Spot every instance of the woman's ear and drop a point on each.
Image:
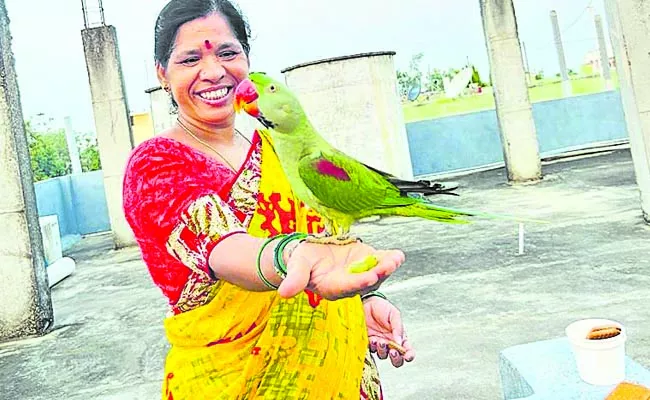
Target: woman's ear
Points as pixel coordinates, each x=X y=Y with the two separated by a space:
x=161 y=74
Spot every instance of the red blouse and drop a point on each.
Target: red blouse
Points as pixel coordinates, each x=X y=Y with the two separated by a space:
x=163 y=179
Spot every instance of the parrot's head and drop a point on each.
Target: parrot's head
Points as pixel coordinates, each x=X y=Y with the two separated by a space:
x=270 y=102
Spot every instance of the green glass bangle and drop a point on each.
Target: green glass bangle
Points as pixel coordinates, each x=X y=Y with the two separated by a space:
x=373 y=294
x=260 y=274
x=278 y=261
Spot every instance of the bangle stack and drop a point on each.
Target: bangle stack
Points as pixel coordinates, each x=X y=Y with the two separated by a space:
x=278 y=260
x=373 y=294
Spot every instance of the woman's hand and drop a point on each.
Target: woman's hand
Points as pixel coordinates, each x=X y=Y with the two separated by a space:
x=323 y=269
x=384 y=324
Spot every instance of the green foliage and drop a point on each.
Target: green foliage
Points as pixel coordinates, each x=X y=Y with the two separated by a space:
x=88 y=153
x=406 y=80
x=540 y=75
x=548 y=89
x=50 y=157
x=48 y=153
x=435 y=81
x=476 y=77
x=403 y=82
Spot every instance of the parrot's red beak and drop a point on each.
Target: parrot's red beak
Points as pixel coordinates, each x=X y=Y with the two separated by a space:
x=246 y=98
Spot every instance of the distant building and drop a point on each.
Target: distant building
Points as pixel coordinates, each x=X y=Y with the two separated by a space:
x=591 y=63
x=142 y=127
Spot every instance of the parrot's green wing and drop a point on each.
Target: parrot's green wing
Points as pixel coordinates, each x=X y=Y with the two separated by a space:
x=344 y=184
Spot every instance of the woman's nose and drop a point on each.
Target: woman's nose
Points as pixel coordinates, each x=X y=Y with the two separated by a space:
x=212 y=69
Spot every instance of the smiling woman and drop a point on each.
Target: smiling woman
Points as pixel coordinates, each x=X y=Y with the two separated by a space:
x=255 y=312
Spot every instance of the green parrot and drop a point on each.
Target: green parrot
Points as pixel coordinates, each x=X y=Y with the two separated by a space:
x=341 y=189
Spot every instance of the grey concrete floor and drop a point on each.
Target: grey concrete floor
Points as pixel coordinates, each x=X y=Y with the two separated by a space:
x=464 y=291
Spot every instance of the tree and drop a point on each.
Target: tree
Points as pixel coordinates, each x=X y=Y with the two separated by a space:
x=435 y=81
x=88 y=153
x=48 y=152
x=476 y=77
x=403 y=82
x=50 y=157
x=406 y=80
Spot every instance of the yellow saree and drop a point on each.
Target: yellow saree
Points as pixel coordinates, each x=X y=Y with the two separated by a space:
x=249 y=345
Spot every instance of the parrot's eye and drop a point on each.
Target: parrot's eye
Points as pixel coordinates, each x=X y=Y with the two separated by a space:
x=272 y=89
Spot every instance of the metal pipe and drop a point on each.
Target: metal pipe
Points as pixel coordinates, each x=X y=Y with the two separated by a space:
x=84 y=10
x=101 y=12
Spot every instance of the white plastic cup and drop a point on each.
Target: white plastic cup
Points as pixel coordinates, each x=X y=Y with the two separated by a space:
x=600 y=362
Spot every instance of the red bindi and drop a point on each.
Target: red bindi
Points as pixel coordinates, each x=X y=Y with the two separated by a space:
x=208 y=45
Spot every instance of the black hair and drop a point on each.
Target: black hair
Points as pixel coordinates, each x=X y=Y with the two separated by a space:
x=179 y=12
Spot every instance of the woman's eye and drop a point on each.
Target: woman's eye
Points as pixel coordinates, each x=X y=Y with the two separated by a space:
x=191 y=60
x=228 y=54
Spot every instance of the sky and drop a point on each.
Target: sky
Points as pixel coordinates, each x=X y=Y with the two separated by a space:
x=53 y=80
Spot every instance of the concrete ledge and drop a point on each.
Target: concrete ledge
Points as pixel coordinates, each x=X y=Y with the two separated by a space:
x=60 y=270
x=547 y=370
x=340 y=58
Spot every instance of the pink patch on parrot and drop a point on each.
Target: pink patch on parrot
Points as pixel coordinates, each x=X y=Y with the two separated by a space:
x=326 y=167
x=208 y=45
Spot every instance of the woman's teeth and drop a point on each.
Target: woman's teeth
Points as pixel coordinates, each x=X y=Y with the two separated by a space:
x=214 y=94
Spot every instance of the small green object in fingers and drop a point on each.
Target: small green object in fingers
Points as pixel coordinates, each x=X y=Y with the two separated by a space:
x=364 y=265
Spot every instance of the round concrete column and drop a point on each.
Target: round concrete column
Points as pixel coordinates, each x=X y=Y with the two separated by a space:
x=353 y=101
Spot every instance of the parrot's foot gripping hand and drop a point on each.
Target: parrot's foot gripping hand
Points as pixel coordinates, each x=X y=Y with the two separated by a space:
x=357 y=267
x=338 y=240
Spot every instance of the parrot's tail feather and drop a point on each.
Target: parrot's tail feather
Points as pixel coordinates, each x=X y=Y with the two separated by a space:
x=432 y=212
x=427 y=210
x=423 y=187
x=480 y=214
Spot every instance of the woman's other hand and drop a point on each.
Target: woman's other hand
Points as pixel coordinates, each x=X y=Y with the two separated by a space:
x=384 y=323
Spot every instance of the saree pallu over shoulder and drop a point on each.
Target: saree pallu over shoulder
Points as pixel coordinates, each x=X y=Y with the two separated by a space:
x=250 y=345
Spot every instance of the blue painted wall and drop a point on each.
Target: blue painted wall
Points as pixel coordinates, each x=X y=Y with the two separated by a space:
x=437 y=146
x=90 y=203
x=472 y=140
x=78 y=201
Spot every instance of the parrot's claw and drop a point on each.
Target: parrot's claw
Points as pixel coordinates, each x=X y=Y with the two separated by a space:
x=339 y=240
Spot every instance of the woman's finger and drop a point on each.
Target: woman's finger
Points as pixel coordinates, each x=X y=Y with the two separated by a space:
x=373 y=345
x=396 y=358
x=410 y=353
x=389 y=261
x=397 y=326
x=382 y=349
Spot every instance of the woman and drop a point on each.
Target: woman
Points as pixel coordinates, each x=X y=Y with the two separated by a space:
x=255 y=312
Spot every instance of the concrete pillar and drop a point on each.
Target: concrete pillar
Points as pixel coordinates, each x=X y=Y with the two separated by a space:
x=629 y=30
x=566 y=84
x=353 y=101
x=112 y=121
x=26 y=304
x=514 y=112
x=602 y=47
x=73 y=149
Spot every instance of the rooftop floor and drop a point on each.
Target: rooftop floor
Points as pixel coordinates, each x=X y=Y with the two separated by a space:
x=464 y=292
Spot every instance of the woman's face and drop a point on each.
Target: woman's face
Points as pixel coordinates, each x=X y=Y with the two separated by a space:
x=206 y=64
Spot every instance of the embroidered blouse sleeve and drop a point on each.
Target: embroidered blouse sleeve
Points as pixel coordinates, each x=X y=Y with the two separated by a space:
x=171 y=202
